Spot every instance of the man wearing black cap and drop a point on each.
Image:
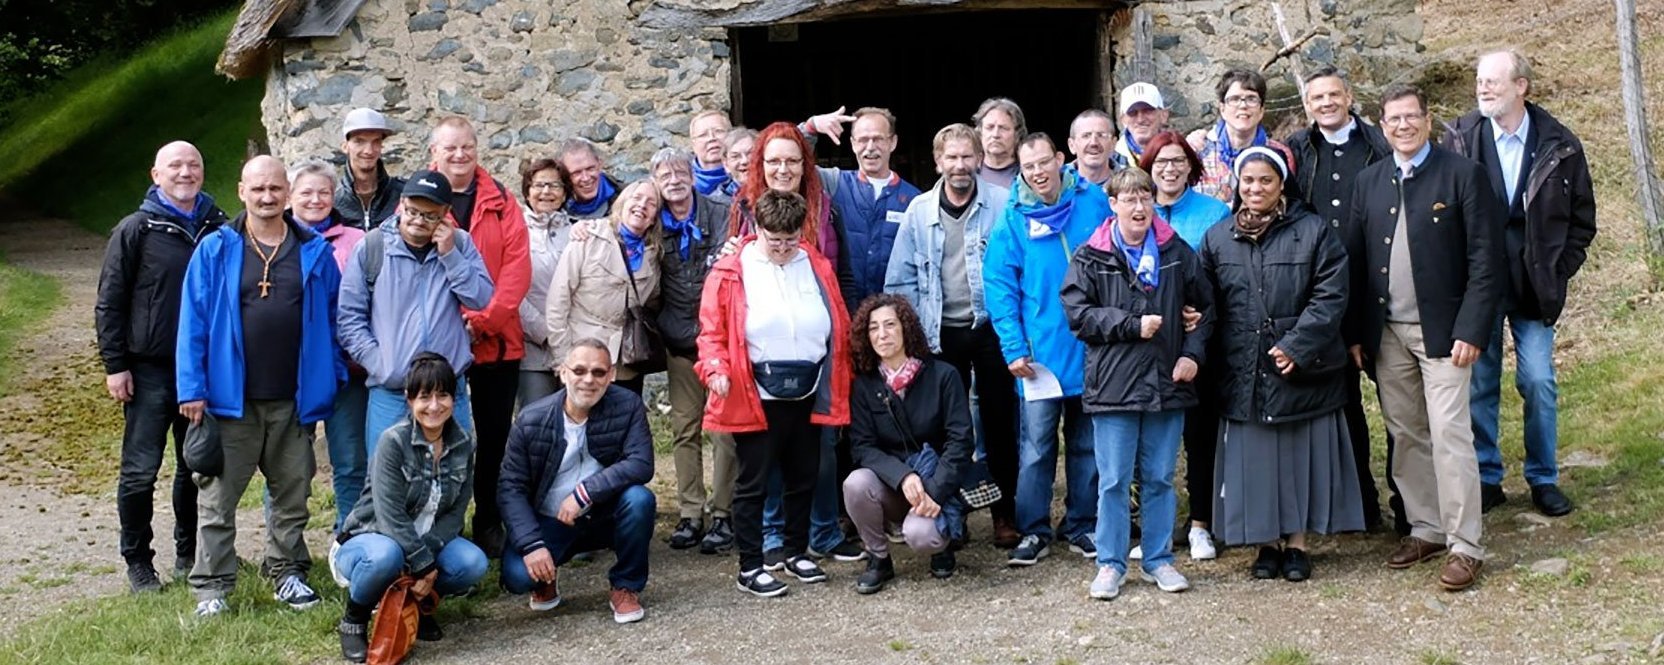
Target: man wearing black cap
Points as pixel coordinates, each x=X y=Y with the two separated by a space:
x=402 y=293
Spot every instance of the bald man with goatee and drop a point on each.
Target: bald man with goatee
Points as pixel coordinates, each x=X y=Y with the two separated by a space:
x=257 y=354
x=136 y=317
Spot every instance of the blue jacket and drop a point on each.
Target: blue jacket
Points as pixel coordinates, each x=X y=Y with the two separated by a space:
x=915 y=270
x=869 y=226
x=209 y=354
x=1192 y=215
x=1022 y=278
x=418 y=306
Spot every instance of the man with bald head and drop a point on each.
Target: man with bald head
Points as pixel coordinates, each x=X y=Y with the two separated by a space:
x=257 y=353
x=137 y=317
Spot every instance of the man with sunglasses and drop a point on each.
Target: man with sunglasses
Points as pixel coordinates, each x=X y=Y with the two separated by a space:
x=403 y=292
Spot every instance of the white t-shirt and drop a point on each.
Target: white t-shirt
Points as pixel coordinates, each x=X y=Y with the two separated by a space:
x=785 y=314
x=575 y=465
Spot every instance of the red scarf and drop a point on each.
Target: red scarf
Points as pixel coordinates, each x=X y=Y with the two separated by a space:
x=901 y=378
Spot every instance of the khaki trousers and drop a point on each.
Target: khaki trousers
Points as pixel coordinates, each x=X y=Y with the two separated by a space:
x=687 y=414
x=268 y=437
x=1424 y=402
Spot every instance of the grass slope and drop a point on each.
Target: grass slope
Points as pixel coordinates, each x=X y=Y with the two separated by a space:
x=83 y=149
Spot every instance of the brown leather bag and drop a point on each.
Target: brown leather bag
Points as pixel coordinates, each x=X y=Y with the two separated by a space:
x=394 y=631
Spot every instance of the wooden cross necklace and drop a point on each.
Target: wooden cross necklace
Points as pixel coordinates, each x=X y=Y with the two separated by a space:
x=265 y=282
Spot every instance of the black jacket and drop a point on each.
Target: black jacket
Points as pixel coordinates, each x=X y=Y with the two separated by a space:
x=1559 y=203
x=937 y=410
x=1106 y=303
x=137 y=312
x=349 y=207
x=618 y=439
x=1287 y=290
x=1307 y=140
x=682 y=281
x=1455 y=228
x=398 y=485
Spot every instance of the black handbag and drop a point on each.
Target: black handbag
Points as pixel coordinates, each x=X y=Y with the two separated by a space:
x=203 y=452
x=640 y=347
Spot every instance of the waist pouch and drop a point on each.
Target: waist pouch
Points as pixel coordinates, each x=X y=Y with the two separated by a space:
x=787 y=379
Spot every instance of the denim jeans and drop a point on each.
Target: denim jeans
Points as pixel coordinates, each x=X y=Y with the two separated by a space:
x=1149 y=442
x=371 y=561
x=348 y=456
x=1534 y=378
x=626 y=526
x=387 y=407
x=1037 y=468
x=824 y=533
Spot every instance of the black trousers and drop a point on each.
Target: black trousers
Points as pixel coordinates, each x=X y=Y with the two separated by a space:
x=1201 y=437
x=1357 y=427
x=634 y=385
x=149 y=417
x=978 y=350
x=492 y=388
x=792 y=443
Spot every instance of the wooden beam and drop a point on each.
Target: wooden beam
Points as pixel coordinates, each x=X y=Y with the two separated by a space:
x=1635 y=120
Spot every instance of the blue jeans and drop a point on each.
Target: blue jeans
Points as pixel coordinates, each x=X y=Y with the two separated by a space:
x=1149 y=442
x=626 y=526
x=1534 y=378
x=387 y=407
x=347 y=453
x=824 y=534
x=371 y=561
x=1037 y=468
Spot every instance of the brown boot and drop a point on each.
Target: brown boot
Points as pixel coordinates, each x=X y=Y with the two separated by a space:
x=1460 y=572
x=1411 y=551
x=1005 y=533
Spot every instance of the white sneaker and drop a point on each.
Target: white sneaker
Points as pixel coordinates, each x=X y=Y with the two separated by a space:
x=1137 y=552
x=335 y=572
x=1107 y=584
x=1167 y=578
x=1201 y=545
x=211 y=608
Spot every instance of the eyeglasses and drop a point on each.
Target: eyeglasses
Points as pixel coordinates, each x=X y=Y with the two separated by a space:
x=1040 y=166
x=1243 y=101
x=1135 y=200
x=793 y=162
x=1403 y=119
x=712 y=133
x=1174 y=163
x=593 y=372
x=782 y=241
x=425 y=217
x=1491 y=84
x=1094 y=135
x=539 y=186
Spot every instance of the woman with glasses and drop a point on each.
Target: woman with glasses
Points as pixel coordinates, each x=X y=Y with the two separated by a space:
x=543 y=184
x=1241 y=109
x=601 y=275
x=774 y=352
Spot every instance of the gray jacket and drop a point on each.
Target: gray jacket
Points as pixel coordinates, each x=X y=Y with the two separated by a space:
x=399 y=483
x=915 y=270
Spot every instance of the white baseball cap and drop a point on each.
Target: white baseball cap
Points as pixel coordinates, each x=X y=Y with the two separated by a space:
x=1141 y=93
x=364 y=119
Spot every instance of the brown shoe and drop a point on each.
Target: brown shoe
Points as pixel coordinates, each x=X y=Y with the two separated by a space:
x=1460 y=572
x=1411 y=551
x=1005 y=533
x=626 y=606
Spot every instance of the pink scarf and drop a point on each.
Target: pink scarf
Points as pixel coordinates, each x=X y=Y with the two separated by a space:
x=899 y=379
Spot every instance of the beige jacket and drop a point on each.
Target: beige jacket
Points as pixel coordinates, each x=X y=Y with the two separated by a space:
x=589 y=292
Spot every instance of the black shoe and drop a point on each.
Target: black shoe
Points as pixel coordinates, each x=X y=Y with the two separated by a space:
x=774 y=560
x=848 y=551
x=1297 y=565
x=182 y=565
x=355 y=640
x=1490 y=496
x=805 y=570
x=685 y=536
x=1269 y=564
x=1029 y=551
x=879 y=570
x=719 y=539
x=427 y=628
x=761 y=584
x=141 y=578
x=1549 y=500
x=942 y=564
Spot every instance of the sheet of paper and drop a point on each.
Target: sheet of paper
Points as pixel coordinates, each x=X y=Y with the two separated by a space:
x=1043 y=385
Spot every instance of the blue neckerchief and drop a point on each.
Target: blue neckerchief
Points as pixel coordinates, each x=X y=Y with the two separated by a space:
x=635 y=248
x=685 y=229
x=192 y=221
x=708 y=180
x=731 y=187
x=1048 y=220
x=1145 y=259
x=1229 y=153
x=1132 y=143
x=324 y=225
x=603 y=194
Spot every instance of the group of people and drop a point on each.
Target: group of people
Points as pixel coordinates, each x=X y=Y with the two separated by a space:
x=869 y=361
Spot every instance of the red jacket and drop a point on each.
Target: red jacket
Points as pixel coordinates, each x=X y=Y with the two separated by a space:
x=499 y=232
x=722 y=349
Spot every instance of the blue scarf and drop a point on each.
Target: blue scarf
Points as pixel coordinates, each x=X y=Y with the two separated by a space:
x=192 y=221
x=708 y=180
x=686 y=229
x=731 y=188
x=1229 y=153
x=324 y=225
x=1132 y=143
x=1048 y=220
x=635 y=248
x=603 y=194
x=1145 y=259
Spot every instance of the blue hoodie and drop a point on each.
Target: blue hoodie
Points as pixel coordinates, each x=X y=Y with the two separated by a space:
x=1022 y=277
x=209 y=358
x=1192 y=215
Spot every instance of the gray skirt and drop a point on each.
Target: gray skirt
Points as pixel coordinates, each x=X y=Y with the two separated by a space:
x=1273 y=480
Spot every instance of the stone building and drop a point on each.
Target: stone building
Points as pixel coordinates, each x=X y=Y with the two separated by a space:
x=629 y=74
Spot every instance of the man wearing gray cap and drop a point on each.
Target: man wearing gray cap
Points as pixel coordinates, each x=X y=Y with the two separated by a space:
x=367 y=194
x=1143 y=115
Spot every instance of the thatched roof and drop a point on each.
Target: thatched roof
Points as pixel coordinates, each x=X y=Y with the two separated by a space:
x=263 y=23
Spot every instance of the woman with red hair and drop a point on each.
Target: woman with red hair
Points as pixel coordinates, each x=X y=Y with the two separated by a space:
x=783 y=161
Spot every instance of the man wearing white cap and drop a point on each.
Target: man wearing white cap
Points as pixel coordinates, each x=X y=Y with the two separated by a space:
x=1143 y=115
x=366 y=194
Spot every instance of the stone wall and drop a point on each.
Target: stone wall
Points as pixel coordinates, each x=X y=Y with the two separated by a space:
x=529 y=72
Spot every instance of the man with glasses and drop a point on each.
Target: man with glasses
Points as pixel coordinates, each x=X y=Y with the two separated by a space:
x=1241 y=108
x=1143 y=115
x=1089 y=142
x=1423 y=240
x=705 y=134
x=869 y=203
x=1052 y=212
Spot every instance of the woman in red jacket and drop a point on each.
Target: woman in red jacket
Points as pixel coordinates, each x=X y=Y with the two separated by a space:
x=774 y=351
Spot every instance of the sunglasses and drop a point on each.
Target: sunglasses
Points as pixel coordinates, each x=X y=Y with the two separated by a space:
x=595 y=372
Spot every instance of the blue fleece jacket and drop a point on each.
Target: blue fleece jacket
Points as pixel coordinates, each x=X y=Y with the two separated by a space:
x=210 y=354
x=1022 y=278
x=1192 y=215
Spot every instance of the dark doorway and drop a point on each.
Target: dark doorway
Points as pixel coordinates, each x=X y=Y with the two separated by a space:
x=928 y=69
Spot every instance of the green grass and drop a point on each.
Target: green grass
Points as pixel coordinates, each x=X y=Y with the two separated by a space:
x=25 y=299
x=1284 y=655
x=1433 y=657
x=83 y=149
